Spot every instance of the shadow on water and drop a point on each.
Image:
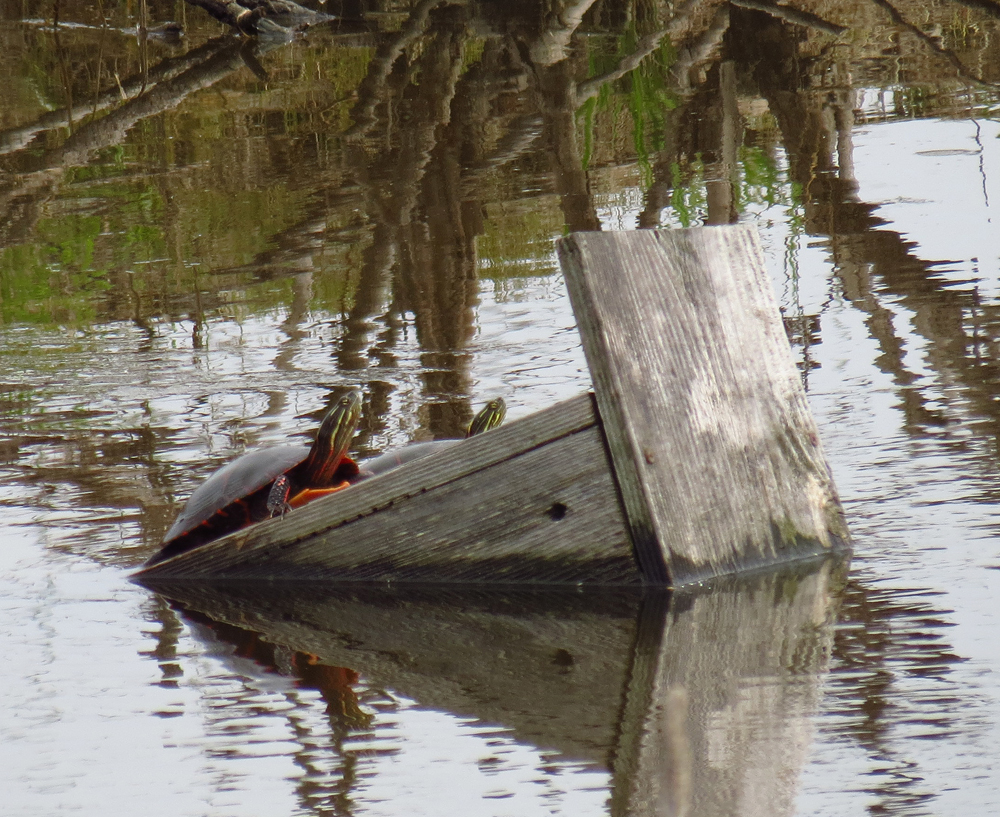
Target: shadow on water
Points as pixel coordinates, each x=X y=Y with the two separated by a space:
x=697 y=703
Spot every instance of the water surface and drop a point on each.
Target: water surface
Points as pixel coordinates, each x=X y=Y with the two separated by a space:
x=210 y=271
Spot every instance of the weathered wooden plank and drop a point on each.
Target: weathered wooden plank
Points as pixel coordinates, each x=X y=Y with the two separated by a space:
x=533 y=501
x=713 y=445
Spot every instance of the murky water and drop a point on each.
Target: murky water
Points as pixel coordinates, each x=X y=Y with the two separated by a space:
x=209 y=269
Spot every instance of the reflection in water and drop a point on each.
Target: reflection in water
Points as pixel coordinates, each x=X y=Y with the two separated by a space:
x=684 y=701
x=889 y=643
x=329 y=769
x=202 y=245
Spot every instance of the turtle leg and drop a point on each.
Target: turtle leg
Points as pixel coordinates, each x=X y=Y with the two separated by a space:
x=309 y=494
x=277 y=499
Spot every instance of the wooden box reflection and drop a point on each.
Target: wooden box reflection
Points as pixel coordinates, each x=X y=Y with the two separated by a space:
x=699 y=702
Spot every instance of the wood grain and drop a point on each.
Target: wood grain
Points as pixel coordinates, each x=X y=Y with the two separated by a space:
x=713 y=445
x=531 y=502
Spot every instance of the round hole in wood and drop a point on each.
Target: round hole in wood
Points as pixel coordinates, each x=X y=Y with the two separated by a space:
x=557 y=511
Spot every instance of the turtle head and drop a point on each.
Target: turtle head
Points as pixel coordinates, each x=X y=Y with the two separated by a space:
x=333 y=439
x=490 y=417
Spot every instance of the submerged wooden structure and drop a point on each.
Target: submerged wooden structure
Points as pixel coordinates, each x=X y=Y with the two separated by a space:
x=695 y=456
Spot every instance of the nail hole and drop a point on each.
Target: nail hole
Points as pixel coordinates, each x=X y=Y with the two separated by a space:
x=557 y=511
x=563 y=658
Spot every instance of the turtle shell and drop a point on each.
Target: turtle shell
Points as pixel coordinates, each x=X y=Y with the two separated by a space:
x=234 y=496
x=488 y=418
x=236 y=482
x=393 y=459
x=237 y=494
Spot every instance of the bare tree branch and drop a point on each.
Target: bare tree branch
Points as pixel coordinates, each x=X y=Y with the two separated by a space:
x=262 y=16
x=646 y=46
x=792 y=15
x=931 y=42
x=17 y=138
x=371 y=91
x=551 y=45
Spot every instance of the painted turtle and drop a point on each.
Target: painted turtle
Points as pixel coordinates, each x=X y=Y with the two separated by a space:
x=491 y=416
x=244 y=491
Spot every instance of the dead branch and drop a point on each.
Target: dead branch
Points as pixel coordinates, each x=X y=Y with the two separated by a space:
x=792 y=15
x=371 y=91
x=263 y=16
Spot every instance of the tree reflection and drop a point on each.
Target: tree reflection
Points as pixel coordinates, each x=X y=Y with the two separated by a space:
x=390 y=183
x=342 y=187
x=888 y=642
